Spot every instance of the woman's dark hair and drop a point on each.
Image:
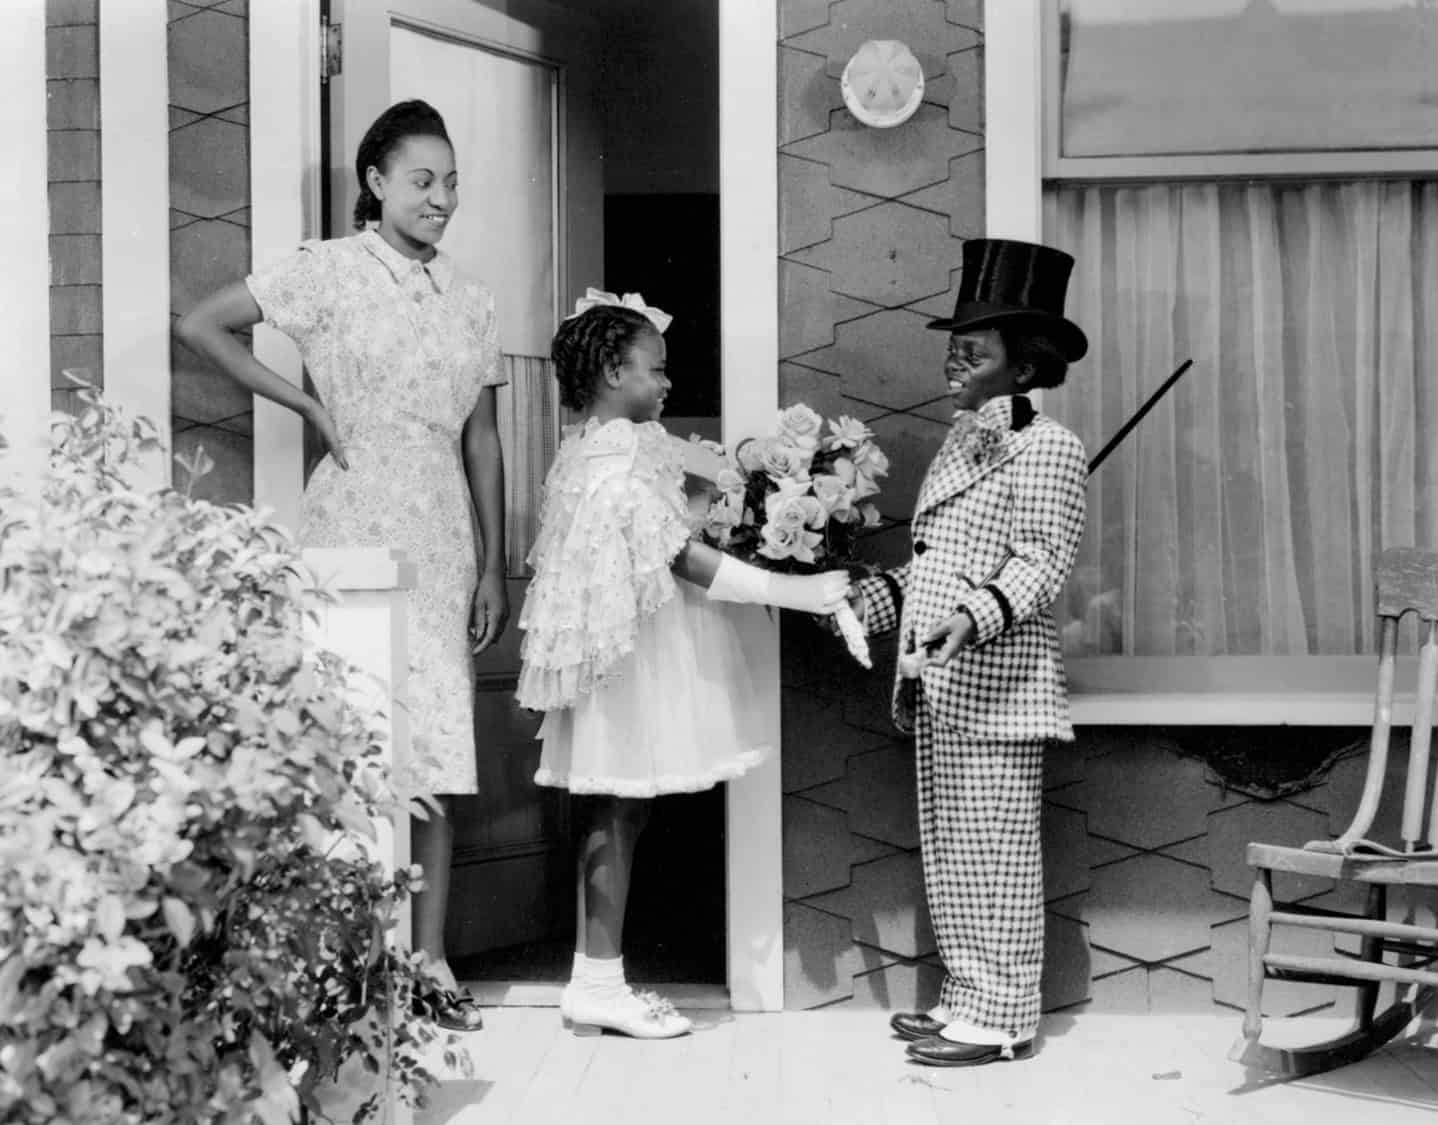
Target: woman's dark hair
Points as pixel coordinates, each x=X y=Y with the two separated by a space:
x=588 y=344
x=390 y=130
x=1027 y=345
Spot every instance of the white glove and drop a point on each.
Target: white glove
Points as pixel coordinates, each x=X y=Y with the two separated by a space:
x=847 y=622
x=736 y=581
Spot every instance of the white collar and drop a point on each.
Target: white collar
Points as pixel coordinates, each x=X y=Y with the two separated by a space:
x=440 y=268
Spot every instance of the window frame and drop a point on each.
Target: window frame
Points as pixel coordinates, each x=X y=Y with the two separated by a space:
x=1298 y=164
x=1020 y=49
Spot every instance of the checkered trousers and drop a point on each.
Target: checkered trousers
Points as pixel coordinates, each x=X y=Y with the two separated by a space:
x=980 y=807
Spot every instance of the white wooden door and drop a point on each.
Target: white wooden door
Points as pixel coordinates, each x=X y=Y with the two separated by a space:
x=516 y=85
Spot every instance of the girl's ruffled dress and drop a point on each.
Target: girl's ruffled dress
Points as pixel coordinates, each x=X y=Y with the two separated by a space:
x=645 y=683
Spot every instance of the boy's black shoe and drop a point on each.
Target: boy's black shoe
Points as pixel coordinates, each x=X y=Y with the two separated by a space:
x=937 y=1051
x=915 y=1025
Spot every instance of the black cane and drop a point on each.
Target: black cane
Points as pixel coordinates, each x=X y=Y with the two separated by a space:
x=1138 y=416
x=1123 y=432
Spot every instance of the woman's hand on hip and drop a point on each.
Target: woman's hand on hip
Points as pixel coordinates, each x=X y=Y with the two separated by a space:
x=489 y=612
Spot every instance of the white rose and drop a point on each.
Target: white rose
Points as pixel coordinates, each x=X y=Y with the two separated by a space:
x=836 y=497
x=849 y=433
x=787 y=542
x=783 y=461
x=801 y=426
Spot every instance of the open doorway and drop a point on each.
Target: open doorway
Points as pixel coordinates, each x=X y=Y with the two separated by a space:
x=511 y=918
x=288 y=182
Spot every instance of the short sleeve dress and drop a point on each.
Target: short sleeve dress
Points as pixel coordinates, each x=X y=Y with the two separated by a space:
x=644 y=681
x=399 y=352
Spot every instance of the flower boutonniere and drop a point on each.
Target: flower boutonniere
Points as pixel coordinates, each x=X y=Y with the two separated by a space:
x=981 y=443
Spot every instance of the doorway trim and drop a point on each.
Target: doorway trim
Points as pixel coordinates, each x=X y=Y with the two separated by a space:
x=286 y=207
x=749 y=398
x=25 y=230
x=285 y=174
x=1013 y=110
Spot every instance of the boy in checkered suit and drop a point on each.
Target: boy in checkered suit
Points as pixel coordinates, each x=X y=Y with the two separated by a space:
x=981 y=680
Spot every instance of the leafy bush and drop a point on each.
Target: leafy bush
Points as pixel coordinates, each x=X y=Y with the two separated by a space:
x=194 y=924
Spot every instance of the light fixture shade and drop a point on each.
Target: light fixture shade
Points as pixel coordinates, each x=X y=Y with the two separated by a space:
x=883 y=83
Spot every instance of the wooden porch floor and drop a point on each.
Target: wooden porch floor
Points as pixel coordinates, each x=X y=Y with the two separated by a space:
x=841 y=1066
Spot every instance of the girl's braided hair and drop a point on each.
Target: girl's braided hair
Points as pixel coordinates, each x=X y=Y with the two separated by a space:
x=390 y=130
x=588 y=344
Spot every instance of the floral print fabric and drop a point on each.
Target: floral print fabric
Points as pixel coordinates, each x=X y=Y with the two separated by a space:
x=399 y=352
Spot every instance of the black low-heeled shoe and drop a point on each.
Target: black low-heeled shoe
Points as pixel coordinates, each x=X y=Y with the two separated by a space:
x=938 y=1051
x=915 y=1025
x=458 y=1011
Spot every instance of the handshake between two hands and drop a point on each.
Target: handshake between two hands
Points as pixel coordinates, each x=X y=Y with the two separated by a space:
x=938 y=645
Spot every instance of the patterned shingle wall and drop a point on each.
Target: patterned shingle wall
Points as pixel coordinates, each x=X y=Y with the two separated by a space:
x=1148 y=884
x=1144 y=847
x=209 y=226
x=871 y=222
x=72 y=73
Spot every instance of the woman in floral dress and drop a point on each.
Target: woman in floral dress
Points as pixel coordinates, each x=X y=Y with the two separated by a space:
x=404 y=356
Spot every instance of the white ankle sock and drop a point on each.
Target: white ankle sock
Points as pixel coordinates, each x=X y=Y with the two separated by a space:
x=602 y=972
x=961 y=1031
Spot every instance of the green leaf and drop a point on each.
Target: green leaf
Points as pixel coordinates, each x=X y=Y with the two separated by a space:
x=110 y=918
x=349 y=814
x=246 y=859
x=188 y=878
x=312 y=832
x=180 y=919
x=12 y=970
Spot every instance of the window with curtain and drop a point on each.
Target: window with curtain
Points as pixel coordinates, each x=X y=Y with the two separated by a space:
x=1243 y=516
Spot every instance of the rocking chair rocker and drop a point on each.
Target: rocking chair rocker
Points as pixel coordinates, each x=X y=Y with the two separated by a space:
x=1407 y=580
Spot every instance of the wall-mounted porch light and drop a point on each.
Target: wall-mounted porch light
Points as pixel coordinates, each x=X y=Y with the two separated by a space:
x=882 y=84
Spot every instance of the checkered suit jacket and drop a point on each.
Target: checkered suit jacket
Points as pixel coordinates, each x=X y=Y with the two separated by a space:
x=1023 y=493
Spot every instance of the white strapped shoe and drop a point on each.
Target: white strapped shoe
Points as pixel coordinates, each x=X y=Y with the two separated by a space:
x=640 y=1015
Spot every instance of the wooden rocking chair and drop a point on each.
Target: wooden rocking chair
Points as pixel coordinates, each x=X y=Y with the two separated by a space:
x=1407 y=580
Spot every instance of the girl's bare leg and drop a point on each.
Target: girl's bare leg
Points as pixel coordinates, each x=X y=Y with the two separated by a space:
x=598 y=997
x=606 y=862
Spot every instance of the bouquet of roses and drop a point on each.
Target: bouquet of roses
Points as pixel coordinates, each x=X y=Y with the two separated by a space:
x=796 y=500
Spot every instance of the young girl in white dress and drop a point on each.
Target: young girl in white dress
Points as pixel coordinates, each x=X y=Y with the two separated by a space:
x=641 y=678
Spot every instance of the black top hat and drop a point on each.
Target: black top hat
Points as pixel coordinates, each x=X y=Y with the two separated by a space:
x=1020 y=283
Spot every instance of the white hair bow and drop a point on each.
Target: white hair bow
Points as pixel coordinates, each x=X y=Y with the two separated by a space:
x=593 y=298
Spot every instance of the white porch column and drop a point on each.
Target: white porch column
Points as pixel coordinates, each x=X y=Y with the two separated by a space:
x=284 y=210
x=366 y=626
x=24 y=232
x=1013 y=119
x=749 y=313
x=135 y=215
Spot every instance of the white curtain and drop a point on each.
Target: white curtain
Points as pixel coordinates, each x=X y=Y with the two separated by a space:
x=1244 y=514
x=528 y=417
